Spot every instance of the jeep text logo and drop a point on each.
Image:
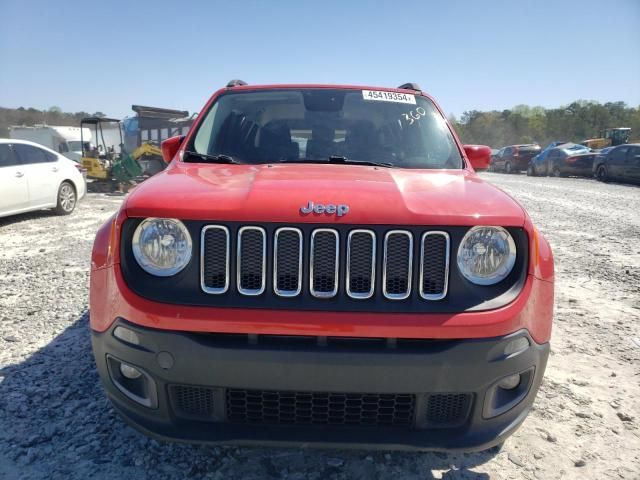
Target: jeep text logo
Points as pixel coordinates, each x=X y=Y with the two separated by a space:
x=330 y=209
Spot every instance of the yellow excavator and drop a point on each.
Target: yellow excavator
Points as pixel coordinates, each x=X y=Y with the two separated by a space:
x=609 y=137
x=109 y=167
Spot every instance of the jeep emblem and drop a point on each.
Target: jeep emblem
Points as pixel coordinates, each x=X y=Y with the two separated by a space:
x=329 y=209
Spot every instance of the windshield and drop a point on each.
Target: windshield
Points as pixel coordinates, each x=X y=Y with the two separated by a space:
x=307 y=125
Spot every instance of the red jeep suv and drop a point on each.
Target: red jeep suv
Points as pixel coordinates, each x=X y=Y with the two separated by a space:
x=321 y=265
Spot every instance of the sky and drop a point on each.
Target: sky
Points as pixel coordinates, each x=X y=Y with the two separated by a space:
x=470 y=55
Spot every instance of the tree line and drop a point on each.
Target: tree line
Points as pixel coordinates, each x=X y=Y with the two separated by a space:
x=575 y=122
x=32 y=116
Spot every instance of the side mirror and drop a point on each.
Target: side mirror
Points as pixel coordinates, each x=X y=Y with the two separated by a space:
x=479 y=156
x=170 y=147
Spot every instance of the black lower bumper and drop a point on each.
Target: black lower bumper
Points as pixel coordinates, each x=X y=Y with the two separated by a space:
x=304 y=391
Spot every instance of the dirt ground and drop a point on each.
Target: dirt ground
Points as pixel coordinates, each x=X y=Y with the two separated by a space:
x=56 y=423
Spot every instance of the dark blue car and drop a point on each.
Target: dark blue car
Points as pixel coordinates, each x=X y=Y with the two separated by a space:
x=553 y=160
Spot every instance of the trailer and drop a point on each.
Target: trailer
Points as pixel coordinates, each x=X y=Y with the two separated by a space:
x=62 y=139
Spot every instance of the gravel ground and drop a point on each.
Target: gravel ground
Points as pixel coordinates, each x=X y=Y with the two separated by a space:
x=56 y=423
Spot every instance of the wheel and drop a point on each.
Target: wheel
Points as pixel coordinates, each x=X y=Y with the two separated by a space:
x=556 y=172
x=66 y=199
x=507 y=167
x=530 y=171
x=601 y=173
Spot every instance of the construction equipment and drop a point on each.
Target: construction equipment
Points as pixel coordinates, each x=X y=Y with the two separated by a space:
x=115 y=162
x=106 y=161
x=144 y=133
x=609 y=137
x=150 y=159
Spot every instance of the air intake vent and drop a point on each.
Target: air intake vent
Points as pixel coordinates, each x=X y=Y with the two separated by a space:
x=214 y=261
x=448 y=410
x=398 y=263
x=252 y=258
x=192 y=402
x=434 y=265
x=324 y=263
x=361 y=266
x=319 y=408
x=287 y=261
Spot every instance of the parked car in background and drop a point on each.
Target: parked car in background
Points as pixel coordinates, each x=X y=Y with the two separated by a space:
x=621 y=163
x=514 y=158
x=579 y=165
x=600 y=154
x=546 y=149
x=33 y=177
x=552 y=145
x=553 y=161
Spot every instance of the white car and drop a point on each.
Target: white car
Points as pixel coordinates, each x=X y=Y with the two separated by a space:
x=33 y=177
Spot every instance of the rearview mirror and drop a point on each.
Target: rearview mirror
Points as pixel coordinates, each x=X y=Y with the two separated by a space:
x=479 y=156
x=170 y=147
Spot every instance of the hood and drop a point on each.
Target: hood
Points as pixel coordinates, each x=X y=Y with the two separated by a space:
x=276 y=193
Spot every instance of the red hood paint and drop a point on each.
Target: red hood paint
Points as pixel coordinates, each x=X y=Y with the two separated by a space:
x=275 y=193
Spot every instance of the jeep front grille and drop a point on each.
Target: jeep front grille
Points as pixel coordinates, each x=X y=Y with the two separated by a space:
x=361 y=263
x=252 y=260
x=325 y=263
x=214 y=259
x=397 y=264
x=287 y=262
x=325 y=257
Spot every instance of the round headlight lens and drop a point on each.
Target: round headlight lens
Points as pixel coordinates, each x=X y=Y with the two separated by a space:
x=162 y=246
x=486 y=255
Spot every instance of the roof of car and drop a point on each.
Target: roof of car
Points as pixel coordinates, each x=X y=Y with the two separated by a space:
x=322 y=85
x=314 y=85
x=27 y=142
x=570 y=146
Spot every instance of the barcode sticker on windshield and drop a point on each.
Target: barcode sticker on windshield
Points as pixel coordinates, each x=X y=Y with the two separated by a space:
x=382 y=96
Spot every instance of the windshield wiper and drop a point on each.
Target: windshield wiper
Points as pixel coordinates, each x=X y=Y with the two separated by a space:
x=345 y=160
x=340 y=159
x=218 y=158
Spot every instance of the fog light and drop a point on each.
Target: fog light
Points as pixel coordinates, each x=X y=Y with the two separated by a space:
x=126 y=335
x=510 y=382
x=129 y=372
x=516 y=346
x=133 y=382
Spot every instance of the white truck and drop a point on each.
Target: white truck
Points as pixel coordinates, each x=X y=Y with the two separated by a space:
x=65 y=140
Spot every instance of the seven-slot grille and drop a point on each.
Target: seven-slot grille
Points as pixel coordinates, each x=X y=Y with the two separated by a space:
x=295 y=260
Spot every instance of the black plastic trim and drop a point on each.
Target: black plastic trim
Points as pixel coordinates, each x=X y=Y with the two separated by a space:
x=424 y=368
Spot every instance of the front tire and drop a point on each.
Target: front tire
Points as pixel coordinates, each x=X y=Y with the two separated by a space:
x=507 y=168
x=556 y=172
x=67 y=199
x=601 y=173
x=530 y=171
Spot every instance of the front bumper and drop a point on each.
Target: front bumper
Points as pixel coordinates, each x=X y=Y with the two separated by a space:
x=461 y=374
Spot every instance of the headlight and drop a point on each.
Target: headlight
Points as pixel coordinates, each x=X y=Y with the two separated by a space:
x=162 y=246
x=486 y=255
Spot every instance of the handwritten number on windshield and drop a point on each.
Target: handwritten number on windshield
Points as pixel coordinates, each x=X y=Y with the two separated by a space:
x=413 y=115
